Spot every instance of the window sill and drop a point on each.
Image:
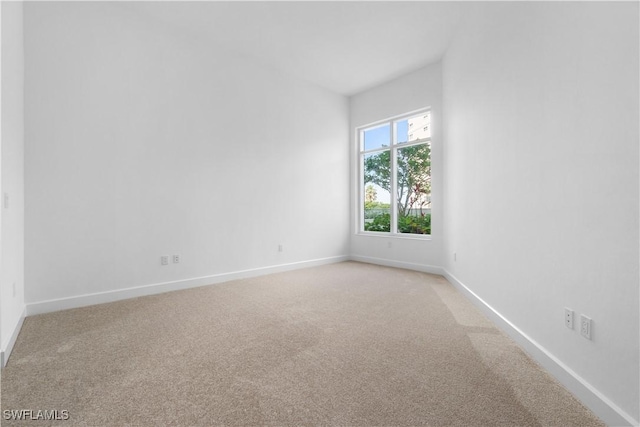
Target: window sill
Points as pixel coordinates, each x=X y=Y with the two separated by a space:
x=401 y=236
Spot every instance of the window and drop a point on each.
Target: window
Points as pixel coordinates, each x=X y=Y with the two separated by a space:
x=395 y=175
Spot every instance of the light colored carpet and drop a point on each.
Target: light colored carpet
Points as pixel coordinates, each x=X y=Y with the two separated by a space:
x=348 y=344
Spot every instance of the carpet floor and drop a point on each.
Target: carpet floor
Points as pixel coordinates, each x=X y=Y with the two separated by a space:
x=347 y=344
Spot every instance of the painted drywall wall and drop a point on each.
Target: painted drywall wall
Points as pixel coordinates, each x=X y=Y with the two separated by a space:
x=419 y=89
x=541 y=177
x=12 y=155
x=142 y=141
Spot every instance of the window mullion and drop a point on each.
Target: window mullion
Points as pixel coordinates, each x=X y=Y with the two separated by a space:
x=392 y=179
x=376 y=150
x=361 y=192
x=360 y=189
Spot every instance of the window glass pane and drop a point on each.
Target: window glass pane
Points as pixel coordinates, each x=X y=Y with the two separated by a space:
x=414 y=189
x=402 y=131
x=377 y=137
x=376 y=191
x=414 y=128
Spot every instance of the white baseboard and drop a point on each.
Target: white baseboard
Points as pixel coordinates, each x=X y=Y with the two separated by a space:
x=5 y=353
x=425 y=268
x=599 y=404
x=157 y=288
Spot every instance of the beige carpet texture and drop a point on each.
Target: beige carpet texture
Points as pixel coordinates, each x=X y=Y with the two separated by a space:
x=348 y=344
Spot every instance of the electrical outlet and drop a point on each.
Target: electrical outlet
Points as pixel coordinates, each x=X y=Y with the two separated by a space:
x=14 y=289
x=585 y=326
x=164 y=260
x=455 y=256
x=176 y=259
x=280 y=249
x=568 y=318
x=389 y=245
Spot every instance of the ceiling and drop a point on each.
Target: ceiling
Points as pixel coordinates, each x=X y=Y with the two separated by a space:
x=346 y=47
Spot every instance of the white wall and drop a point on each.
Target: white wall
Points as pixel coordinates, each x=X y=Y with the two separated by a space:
x=541 y=178
x=12 y=177
x=419 y=89
x=141 y=142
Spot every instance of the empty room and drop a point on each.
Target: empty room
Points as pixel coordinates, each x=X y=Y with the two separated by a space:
x=320 y=213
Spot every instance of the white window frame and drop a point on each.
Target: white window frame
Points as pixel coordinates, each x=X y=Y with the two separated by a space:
x=393 y=149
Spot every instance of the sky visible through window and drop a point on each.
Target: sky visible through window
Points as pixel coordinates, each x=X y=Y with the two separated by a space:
x=380 y=137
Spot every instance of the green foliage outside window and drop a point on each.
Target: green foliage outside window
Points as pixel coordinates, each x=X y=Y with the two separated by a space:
x=406 y=224
x=413 y=196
